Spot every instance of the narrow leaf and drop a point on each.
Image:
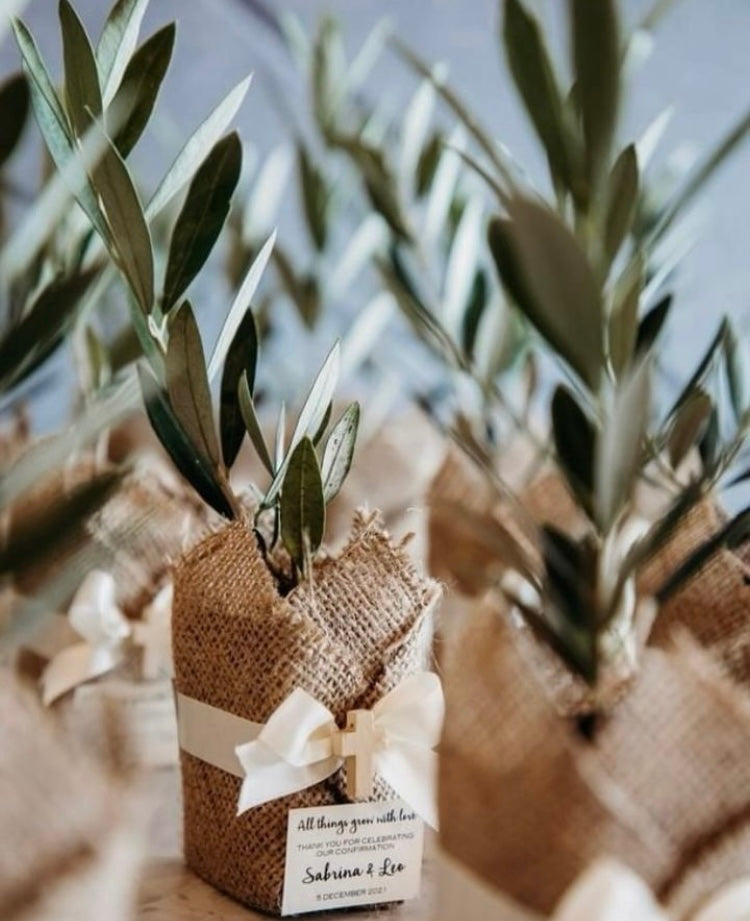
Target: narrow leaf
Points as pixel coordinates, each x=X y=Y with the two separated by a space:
x=688 y=426
x=619 y=447
x=82 y=90
x=652 y=324
x=315 y=197
x=535 y=80
x=137 y=93
x=241 y=358
x=117 y=43
x=703 y=367
x=303 y=507
x=623 y=323
x=574 y=437
x=202 y=216
x=196 y=148
x=252 y=425
x=190 y=463
x=738 y=374
x=240 y=306
x=623 y=198
x=596 y=56
x=14 y=105
x=128 y=233
x=339 y=452
x=279 y=448
x=187 y=384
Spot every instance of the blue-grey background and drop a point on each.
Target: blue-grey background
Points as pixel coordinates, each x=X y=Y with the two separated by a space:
x=700 y=65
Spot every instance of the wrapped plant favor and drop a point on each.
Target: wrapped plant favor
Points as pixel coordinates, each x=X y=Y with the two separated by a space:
x=594 y=760
x=306 y=718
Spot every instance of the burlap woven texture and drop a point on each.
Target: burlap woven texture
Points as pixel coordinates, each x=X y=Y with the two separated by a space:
x=354 y=635
x=527 y=802
x=70 y=844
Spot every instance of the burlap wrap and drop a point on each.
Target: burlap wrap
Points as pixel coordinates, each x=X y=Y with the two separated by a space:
x=348 y=639
x=71 y=840
x=527 y=802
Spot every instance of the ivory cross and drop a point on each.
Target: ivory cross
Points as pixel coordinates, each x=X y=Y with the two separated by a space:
x=356 y=745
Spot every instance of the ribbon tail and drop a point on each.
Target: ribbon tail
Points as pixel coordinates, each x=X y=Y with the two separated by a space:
x=411 y=772
x=73 y=666
x=268 y=777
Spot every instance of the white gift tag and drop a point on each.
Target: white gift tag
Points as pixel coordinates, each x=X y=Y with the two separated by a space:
x=146 y=709
x=355 y=854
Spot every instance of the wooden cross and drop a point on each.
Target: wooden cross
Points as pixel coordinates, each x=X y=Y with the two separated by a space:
x=356 y=745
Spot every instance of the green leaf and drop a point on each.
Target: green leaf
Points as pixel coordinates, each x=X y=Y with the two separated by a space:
x=575 y=440
x=703 y=367
x=117 y=43
x=203 y=139
x=708 y=446
x=178 y=444
x=278 y=448
x=187 y=383
x=302 y=289
x=339 y=452
x=535 y=80
x=128 y=233
x=547 y=273
x=596 y=59
x=652 y=324
x=41 y=329
x=318 y=436
x=252 y=424
x=242 y=358
x=622 y=201
x=14 y=107
x=303 y=509
x=312 y=414
x=688 y=425
x=202 y=216
x=82 y=90
x=139 y=88
x=619 y=446
x=738 y=374
x=315 y=196
x=240 y=306
x=623 y=323
x=53 y=122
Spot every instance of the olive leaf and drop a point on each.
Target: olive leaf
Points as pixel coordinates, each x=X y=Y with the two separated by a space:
x=193 y=466
x=303 y=508
x=652 y=324
x=202 y=216
x=136 y=95
x=315 y=196
x=548 y=275
x=623 y=322
x=252 y=424
x=187 y=384
x=596 y=59
x=82 y=91
x=312 y=414
x=575 y=439
x=688 y=425
x=535 y=80
x=339 y=452
x=619 y=446
x=242 y=357
x=117 y=43
x=704 y=365
x=278 y=448
x=622 y=200
x=203 y=139
x=127 y=231
x=26 y=344
x=708 y=446
x=738 y=373
x=14 y=106
x=240 y=306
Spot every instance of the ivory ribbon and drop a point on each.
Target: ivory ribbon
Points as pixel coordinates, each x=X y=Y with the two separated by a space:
x=105 y=633
x=606 y=891
x=294 y=749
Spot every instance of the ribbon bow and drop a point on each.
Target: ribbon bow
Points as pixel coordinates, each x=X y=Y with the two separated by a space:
x=301 y=745
x=105 y=633
x=609 y=891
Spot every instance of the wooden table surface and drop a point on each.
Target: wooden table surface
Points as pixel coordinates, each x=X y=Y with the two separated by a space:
x=170 y=892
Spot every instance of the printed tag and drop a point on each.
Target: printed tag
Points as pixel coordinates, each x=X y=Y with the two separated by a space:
x=356 y=854
x=146 y=709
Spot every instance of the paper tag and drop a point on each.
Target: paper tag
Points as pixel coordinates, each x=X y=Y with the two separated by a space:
x=357 y=854
x=146 y=709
